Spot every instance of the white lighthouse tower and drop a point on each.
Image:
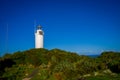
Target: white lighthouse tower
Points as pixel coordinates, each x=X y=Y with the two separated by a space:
x=39 y=37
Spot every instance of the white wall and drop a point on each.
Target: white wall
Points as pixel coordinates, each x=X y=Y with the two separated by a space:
x=38 y=40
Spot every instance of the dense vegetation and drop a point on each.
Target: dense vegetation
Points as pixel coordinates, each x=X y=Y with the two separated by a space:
x=43 y=64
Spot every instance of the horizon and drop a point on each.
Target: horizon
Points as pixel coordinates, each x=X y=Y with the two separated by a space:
x=86 y=27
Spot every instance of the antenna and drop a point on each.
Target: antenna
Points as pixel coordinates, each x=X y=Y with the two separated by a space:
x=7 y=39
x=34 y=26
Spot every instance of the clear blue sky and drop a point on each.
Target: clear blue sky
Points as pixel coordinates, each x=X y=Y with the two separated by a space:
x=82 y=26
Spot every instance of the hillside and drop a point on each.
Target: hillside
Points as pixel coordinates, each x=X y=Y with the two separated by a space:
x=56 y=64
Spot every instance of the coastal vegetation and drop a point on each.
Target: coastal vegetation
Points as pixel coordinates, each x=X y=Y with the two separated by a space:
x=56 y=64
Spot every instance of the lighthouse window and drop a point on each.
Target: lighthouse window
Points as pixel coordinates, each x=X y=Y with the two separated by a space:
x=40 y=32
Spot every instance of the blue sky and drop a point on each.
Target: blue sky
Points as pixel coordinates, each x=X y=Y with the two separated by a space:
x=82 y=26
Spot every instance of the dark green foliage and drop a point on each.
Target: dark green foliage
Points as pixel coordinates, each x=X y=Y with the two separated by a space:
x=56 y=64
x=6 y=63
x=19 y=57
x=14 y=73
x=105 y=77
x=112 y=60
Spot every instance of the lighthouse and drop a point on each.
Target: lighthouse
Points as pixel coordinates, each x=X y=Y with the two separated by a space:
x=39 y=37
